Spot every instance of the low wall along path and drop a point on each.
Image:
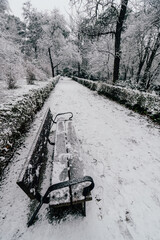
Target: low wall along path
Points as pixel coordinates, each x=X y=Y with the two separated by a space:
x=144 y=103
x=15 y=117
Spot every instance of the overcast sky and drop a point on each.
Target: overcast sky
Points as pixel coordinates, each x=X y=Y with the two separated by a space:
x=40 y=5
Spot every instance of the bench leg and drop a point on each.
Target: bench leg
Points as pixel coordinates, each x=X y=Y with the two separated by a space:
x=34 y=214
x=84 y=208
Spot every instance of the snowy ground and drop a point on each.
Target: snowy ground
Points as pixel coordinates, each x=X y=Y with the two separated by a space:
x=121 y=153
x=11 y=95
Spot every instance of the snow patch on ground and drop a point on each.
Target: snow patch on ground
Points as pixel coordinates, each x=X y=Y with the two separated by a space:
x=12 y=95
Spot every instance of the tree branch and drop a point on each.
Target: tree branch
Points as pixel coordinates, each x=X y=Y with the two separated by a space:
x=105 y=51
x=99 y=34
x=57 y=64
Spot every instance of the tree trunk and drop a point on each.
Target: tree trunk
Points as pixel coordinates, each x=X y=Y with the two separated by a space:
x=35 y=49
x=79 y=50
x=154 y=75
x=57 y=70
x=51 y=61
x=143 y=59
x=79 y=69
x=126 y=72
x=118 y=33
x=139 y=70
x=144 y=84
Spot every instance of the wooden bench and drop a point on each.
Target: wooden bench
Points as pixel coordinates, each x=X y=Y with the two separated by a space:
x=69 y=186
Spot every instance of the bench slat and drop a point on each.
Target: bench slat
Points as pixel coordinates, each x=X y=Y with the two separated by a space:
x=76 y=164
x=60 y=168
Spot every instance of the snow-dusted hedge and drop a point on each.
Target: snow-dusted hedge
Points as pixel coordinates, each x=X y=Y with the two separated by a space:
x=141 y=102
x=14 y=117
x=88 y=83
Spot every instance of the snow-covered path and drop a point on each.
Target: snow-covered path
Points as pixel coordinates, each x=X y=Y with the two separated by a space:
x=121 y=153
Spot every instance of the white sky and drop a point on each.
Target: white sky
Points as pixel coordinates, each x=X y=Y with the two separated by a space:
x=40 y=5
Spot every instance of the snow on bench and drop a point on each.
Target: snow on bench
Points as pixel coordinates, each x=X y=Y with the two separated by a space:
x=67 y=165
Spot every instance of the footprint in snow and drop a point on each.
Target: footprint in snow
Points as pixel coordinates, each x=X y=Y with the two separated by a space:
x=94 y=161
x=128 y=218
x=101 y=169
x=99 y=202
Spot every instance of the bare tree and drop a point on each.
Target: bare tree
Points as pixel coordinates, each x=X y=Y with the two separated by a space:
x=105 y=18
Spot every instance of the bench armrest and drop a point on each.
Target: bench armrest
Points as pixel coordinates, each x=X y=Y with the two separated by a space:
x=60 y=185
x=60 y=114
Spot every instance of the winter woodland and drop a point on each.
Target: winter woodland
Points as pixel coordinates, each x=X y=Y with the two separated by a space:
x=117 y=42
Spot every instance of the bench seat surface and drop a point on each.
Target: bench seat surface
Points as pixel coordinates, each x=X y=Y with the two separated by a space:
x=67 y=165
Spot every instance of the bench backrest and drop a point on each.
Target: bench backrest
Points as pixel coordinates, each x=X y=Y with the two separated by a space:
x=29 y=178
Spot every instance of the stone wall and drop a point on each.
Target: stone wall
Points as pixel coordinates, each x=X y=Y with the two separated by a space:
x=14 y=117
x=144 y=103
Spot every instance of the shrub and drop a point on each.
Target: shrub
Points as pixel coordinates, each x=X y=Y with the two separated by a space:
x=30 y=75
x=11 y=79
x=141 y=102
